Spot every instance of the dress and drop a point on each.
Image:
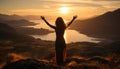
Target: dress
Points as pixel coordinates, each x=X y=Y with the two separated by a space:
x=60 y=46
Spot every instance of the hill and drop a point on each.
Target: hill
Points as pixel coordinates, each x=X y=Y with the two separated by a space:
x=106 y=25
x=79 y=55
x=15 y=20
x=10 y=17
x=19 y=23
x=9 y=33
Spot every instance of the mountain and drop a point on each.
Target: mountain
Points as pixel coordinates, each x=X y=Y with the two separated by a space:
x=32 y=17
x=10 y=17
x=106 y=25
x=18 y=23
x=37 y=17
x=33 y=31
x=15 y=20
x=9 y=33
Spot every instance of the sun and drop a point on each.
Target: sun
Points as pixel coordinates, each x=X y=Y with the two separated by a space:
x=64 y=10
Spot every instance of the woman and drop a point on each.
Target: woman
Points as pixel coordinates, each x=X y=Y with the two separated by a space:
x=60 y=45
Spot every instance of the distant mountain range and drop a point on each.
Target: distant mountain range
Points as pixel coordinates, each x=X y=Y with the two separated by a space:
x=10 y=17
x=18 y=17
x=15 y=20
x=18 y=23
x=9 y=33
x=106 y=25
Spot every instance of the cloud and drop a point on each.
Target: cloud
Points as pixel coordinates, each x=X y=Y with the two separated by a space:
x=37 y=7
x=48 y=4
x=103 y=0
x=33 y=11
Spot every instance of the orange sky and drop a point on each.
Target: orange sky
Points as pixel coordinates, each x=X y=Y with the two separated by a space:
x=68 y=8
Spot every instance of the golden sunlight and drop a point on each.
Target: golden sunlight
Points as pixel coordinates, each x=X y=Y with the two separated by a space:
x=64 y=10
x=65 y=37
x=65 y=34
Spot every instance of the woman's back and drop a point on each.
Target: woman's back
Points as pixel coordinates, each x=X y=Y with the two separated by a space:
x=60 y=27
x=60 y=45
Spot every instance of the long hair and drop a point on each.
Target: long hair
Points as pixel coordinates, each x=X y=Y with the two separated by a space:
x=60 y=23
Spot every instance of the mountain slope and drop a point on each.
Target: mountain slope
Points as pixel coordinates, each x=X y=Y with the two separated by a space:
x=106 y=25
x=9 y=33
x=10 y=17
x=15 y=20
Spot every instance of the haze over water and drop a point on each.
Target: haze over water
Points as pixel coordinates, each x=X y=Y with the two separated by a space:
x=54 y=8
x=70 y=35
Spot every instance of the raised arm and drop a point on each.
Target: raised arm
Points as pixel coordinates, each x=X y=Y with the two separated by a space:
x=74 y=17
x=43 y=18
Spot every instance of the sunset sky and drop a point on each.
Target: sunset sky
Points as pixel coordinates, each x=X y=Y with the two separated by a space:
x=82 y=8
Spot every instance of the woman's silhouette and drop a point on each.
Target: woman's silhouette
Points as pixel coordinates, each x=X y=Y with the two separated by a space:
x=60 y=45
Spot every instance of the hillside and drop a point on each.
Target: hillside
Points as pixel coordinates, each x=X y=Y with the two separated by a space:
x=29 y=57
x=15 y=20
x=106 y=25
x=19 y=23
x=9 y=33
x=19 y=51
x=10 y=17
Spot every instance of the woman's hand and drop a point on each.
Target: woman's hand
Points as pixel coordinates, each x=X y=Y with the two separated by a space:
x=74 y=17
x=42 y=17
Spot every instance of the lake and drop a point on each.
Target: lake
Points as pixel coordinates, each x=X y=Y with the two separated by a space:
x=70 y=35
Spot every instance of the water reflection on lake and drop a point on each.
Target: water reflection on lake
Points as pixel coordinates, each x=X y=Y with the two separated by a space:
x=70 y=35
